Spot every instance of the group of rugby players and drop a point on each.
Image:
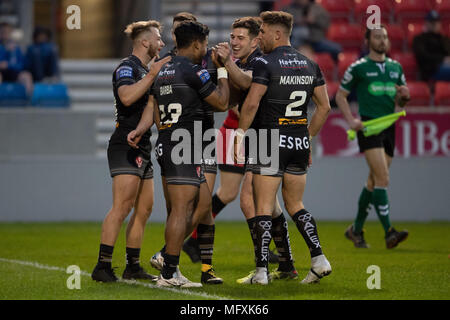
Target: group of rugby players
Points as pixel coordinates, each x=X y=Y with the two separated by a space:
x=266 y=86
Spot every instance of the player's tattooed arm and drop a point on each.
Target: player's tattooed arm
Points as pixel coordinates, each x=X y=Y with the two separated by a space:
x=144 y=125
x=129 y=94
x=320 y=98
x=220 y=97
x=341 y=101
x=243 y=79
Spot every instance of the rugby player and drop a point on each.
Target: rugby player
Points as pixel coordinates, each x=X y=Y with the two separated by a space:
x=243 y=39
x=179 y=91
x=131 y=169
x=380 y=85
x=283 y=83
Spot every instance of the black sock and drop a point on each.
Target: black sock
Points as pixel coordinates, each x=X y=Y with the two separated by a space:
x=163 y=250
x=170 y=265
x=307 y=226
x=133 y=258
x=205 y=238
x=217 y=205
x=105 y=255
x=280 y=235
x=263 y=227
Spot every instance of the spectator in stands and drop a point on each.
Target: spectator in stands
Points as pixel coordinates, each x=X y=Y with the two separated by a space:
x=432 y=50
x=12 y=60
x=311 y=23
x=41 y=59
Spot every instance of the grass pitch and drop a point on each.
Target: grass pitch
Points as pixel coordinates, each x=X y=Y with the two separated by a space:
x=419 y=268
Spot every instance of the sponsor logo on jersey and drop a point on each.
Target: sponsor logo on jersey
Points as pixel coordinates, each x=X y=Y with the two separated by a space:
x=379 y=88
x=287 y=121
x=372 y=74
x=166 y=73
x=394 y=75
x=165 y=90
x=139 y=162
x=284 y=80
x=204 y=75
x=293 y=63
x=124 y=72
x=262 y=60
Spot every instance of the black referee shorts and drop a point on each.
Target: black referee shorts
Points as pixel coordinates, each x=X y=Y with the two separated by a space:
x=385 y=139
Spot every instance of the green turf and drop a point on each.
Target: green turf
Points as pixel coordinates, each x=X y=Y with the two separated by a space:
x=417 y=269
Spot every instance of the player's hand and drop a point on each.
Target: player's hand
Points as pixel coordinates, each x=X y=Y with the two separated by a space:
x=215 y=58
x=133 y=139
x=224 y=52
x=239 y=156
x=155 y=67
x=356 y=124
x=402 y=95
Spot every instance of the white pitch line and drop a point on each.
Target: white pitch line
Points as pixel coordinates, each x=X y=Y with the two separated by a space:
x=132 y=282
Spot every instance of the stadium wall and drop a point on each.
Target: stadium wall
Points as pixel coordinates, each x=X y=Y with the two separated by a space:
x=49 y=172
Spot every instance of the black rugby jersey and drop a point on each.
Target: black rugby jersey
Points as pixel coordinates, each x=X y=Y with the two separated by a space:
x=247 y=66
x=290 y=78
x=129 y=71
x=179 y=90
x=208 y=111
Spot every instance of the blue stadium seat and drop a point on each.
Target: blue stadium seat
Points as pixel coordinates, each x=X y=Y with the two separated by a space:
x=13 y=95
x=50 y=95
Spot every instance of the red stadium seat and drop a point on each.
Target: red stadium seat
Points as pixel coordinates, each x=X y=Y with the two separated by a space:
x=345 y=60
x=442 y=94
x=332 y=88
x=349 y=36
x=412 y=30
x=408 y=62
x=443 y=7
x=386 y=7
x=326 y=64
x=420 y=94
x=339 y=10
x=411 y=10
x=396 y=36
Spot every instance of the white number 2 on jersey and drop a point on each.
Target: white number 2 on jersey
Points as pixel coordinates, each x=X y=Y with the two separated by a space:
x=174 y=110
x=296 y=113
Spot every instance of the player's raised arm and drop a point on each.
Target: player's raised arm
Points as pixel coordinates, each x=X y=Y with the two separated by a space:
x=220 y=97
x=144 y=125
x=320 y=98
x=129 y=94
x=243 y=79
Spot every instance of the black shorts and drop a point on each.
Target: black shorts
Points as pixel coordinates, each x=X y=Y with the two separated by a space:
x=123 y=159
x=385 y=139
x=177 y=173
x=292 y=153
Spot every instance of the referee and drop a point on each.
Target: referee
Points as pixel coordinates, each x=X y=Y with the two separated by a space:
x=131 y=169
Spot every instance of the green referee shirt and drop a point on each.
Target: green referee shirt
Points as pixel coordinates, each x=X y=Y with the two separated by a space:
x=375 y=85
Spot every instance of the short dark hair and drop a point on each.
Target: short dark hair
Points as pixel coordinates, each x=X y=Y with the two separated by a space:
x=41 y=30
x=184 y=16
x=278 y=17
x=369 y=31
x=133 y=30
x=252 y=24
x=189 y=31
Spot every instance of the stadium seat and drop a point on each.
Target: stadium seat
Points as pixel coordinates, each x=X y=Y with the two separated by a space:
x=386 y=7
x=442 y=94
x=339 y=10
x=443 y=7
x=50 y=95
x=411 y=10
x=326 y=64
x=396 y=36
x=345 y=60
x=420 y=94
x=349 y=36
x=412 y=30
x=408 y=62
x=13 y=95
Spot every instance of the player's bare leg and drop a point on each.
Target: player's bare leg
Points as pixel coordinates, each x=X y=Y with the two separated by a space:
x=293 y=189
x=264 y=190
x=135 y=232
x=125 y=189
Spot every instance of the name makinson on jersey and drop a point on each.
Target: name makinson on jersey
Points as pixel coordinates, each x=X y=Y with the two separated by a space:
x=290 y=80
